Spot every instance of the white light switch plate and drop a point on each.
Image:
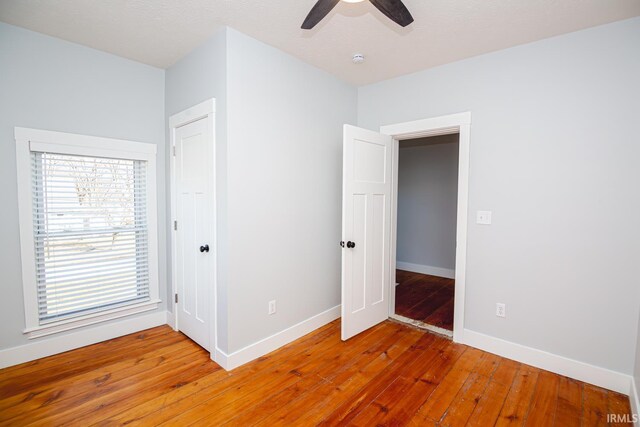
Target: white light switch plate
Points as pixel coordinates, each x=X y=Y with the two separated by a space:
x=484 y=217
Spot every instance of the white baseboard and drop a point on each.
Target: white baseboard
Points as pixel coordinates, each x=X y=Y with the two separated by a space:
x=581 y=371
x=221 y=358
x=54 y=345
x=426 y=269
x=635 y=402
x=275 y=341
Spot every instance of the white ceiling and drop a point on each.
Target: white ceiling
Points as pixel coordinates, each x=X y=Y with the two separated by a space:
x=159 y=32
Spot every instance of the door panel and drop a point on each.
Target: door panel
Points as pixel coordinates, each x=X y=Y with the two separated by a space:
x=378 y=250
x=193 y=151
x=357 y=257
x=366 y=221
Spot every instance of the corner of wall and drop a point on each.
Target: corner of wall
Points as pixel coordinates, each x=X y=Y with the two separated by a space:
x=635 y=403
x=275 y=341
x=551 y=362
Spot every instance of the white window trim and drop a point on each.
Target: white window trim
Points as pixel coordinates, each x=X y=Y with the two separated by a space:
x=29 y=140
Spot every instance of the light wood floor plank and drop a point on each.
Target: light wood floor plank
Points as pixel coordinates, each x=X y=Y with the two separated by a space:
x=545 y=398
x=312 y=408
x=222 y=407
x=569 y=408
x=391 y=374
x=436 y=406
x=516 y=404
x=396 y=395
x=490 y=403
x=619 y=405
x=358 y=401
x=288 y=407
x=92 y=382
x=595 y=406
x=86 y=359
x=162 y=408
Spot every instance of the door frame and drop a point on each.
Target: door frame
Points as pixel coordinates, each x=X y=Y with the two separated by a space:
x=442 y=125
x=204 y=110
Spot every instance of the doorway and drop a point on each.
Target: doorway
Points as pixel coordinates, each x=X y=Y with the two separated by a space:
x=459 y=123
x=427 y=190
x=369 y=225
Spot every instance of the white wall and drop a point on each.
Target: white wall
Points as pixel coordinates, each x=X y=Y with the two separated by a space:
x=279 y=168
x=285 y=122
x=427 y=201
x=551 y=155
x=554 y=155
x=201 y=75
x=51 y=84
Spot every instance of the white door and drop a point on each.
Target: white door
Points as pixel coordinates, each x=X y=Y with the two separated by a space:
x=194 y=249
x=366 y=226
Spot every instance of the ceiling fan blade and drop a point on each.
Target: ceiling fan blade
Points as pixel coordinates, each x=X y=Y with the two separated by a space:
x=318 y=11
x=394 y=10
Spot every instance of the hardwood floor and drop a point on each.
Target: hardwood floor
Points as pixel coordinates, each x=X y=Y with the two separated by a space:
x=428 y=299
x=391 y=374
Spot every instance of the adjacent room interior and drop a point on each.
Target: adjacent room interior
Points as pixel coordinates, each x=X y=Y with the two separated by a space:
x=426 y=232
x=207 y=205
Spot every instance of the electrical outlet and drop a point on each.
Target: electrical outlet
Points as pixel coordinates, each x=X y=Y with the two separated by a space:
x=483 y=217
x=501 y=310
x=272 y=307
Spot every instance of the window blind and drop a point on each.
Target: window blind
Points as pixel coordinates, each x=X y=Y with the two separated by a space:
x=90 y=234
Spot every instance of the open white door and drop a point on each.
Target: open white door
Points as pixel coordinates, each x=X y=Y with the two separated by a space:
x=366 y=226
x=194 y=243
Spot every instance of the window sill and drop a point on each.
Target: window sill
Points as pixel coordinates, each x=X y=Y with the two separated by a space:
x=66 y=325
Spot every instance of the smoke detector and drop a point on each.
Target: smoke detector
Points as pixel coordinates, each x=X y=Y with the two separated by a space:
x=358 y=58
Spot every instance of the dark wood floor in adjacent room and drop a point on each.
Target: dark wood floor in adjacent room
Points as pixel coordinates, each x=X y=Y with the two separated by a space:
x=391 y=374
x=428 y=299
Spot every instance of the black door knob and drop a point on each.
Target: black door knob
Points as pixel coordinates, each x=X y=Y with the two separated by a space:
x=351 y=244
x=342 y=243
x=204 y=248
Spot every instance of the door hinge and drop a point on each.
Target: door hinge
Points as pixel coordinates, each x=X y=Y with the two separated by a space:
x=174 y=150
x=176 y=298
x=175 y=225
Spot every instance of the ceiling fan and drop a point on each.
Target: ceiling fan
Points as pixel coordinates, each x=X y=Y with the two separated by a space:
x=393 y=9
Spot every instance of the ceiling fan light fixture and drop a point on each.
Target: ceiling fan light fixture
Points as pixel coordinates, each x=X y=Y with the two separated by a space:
x=392 y=9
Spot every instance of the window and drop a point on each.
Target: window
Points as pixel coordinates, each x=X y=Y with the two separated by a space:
x=88 y=244
x=90 y=234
